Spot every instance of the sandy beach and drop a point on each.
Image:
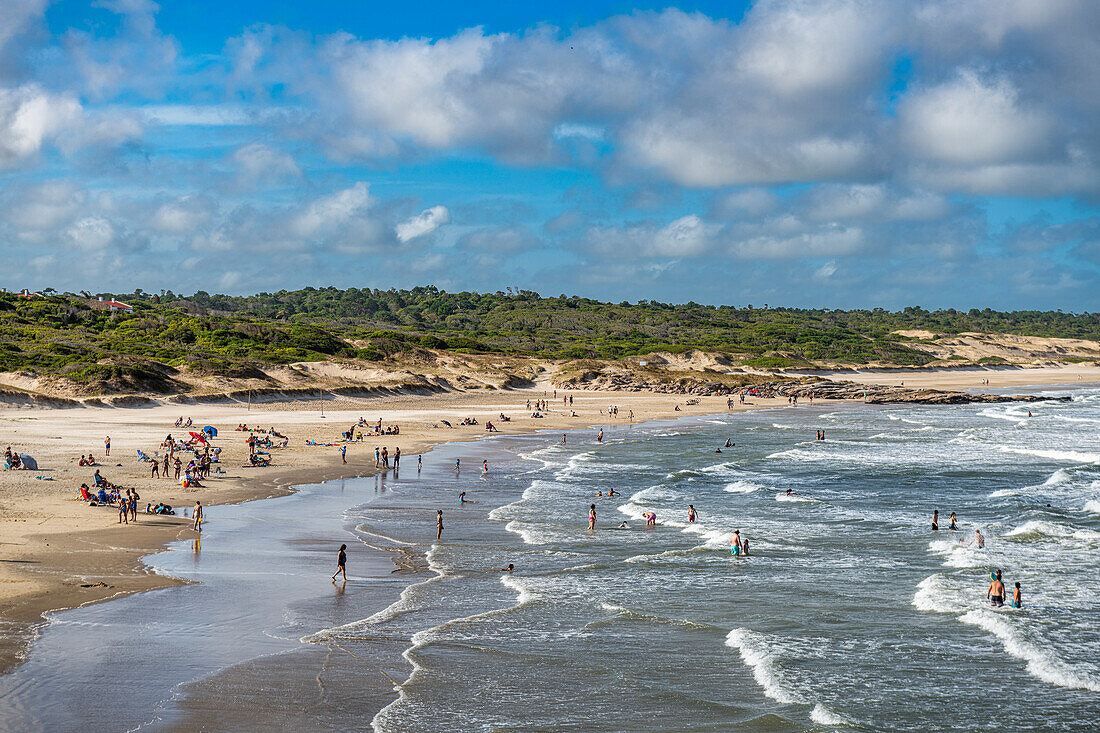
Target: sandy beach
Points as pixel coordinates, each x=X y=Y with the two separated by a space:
x=60 y=553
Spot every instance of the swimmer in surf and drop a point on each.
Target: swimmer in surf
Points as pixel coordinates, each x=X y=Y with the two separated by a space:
x=612 y=492
x=745 y=548
x=439 y=524
x=954 y=523
x=977 y=538
x=996 y=591
x=462 y=498
x=1017 y=597
x=592 y=517
x=935 y=520
x=717 y=450
x=508 y=569
x=791 y=492
x=485 y=467
x=691 y=513
x=624 y=525
x=729 y=443
x=736 y=546
x=599 y=436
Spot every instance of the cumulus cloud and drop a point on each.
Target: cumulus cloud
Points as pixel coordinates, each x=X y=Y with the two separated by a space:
x=29 y=117
x=332 y=211
x=425 y=222
x=182 y=215
x=257 y=163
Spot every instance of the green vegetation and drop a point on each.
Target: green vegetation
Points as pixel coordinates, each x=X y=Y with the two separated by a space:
x=234 y=336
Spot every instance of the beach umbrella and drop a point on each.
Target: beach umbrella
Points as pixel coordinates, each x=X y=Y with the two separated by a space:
x=198 y=436
x=211 y=431
x=28 y=462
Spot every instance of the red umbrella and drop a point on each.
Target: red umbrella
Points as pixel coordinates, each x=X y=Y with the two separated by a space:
x=198 y=437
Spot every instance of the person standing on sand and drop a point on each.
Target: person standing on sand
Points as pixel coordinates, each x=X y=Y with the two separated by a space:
x=124 y=508
x=155 y=472
x=166 y=459
x=198 y=516
x=439 y=524
x=133 y=504
x=341 y=564
x=592 y=517
x=178 y=465
x=377 y=456
x=107 y=446
x=343 y=454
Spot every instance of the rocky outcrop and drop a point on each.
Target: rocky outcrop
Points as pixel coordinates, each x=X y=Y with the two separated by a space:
x=879 y=395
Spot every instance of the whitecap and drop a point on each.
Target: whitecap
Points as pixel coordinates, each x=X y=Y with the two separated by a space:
x=1041 y=662
x=755 y=652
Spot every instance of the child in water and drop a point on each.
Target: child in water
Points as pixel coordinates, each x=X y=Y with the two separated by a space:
x=1017 y=597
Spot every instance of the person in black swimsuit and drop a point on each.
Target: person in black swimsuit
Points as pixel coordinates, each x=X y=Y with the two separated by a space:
x=341 y=564
x=935 y=520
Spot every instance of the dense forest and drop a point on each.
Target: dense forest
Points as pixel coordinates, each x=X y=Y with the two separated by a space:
x=63 y=333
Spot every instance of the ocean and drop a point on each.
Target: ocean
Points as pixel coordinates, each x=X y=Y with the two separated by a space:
x=849 y=614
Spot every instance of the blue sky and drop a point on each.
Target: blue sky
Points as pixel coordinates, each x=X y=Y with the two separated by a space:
x=827 y=153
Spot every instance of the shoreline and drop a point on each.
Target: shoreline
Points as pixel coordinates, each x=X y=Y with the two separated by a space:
x=111 y=565
x=65 y=567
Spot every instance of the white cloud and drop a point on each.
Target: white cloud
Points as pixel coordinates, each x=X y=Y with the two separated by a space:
x=332 y=211
x=971 y=120
x=91 y=233
x=182 y=215
x=258 y=163
x=425 y=222
x=30 y=116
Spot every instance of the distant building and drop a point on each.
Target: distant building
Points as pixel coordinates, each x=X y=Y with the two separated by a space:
x=28 y=294
x=110 y=305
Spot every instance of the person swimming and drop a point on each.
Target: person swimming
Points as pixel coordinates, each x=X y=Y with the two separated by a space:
x=935 y=520
x=462 y=498
x=996 y=591
x=508 y=569
x=791 y=492
x=978 y=538
x=729 y=443
x=612 y=492
x=954 y=523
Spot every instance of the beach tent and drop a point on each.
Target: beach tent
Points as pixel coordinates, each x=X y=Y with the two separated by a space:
x=28 y=462
x=197 y=437
x=211 y=431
